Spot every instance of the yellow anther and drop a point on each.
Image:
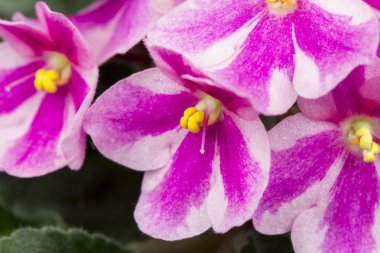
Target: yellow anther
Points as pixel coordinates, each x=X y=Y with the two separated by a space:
x=192 y=119
x=184 y=120
x=369 y=157
x=198 y=117
x=362 y=131
x=366 y=141
x=190 y=111
x=46 y=80
x=193 y=126
x=375 y=148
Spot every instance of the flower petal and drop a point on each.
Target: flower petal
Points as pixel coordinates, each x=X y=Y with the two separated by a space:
x=37 y=152
x=306 y=156
x=16 y=86
x=115 y=25
x=66 y=37
x=25 y=39
x=172 y=204
x=139 y=116
x=341 y=38
x=82 y=90
x=347 y=219
x=240 y=171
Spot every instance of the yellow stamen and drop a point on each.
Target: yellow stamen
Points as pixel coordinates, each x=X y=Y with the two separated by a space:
x=192 y=119
x=57 y=72
x=281 y=7
x=360 y=135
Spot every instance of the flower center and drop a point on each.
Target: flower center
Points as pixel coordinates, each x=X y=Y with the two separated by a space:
x=360 y=136
x=281 y=7
x=208 y=109
x=55 y=73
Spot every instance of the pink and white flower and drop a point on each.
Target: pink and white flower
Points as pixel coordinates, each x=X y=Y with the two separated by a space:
x=269 y=51
x=115 y=26
x=324 y=183
x=198 y=175
x=47 y=82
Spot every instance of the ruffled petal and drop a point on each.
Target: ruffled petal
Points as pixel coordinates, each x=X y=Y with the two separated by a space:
x=25 y=39
x=66 y=37
x=81 y=91
x=139 y=116
x=36 y=152
x=306 y=157
x=240 y=171
x=117 y=25
x=172 y=203
x=331 y=39
x=347 y=219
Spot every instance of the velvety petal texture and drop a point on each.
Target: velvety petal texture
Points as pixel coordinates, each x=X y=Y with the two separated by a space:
x=42 y=132
x=193 y=181
x=245 y=48
x=118 y=25
x=306 y=156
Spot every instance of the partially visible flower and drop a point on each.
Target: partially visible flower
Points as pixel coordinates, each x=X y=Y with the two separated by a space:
x=206 y=165
x=324 y=183
x=47 y=82
x=269 y=51
x=115 y=26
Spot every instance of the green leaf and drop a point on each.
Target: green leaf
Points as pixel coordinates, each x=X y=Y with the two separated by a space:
x=100 y=197
x=7 y=8
x=53 y=240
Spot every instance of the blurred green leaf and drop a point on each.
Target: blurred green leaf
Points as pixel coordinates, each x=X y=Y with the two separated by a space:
x=53 y=240
x=7 y=8
x=100 y=197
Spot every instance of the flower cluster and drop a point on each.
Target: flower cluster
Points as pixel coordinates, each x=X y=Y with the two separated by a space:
x=192 y=123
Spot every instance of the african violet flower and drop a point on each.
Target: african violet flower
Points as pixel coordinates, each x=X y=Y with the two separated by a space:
x=115 y=26
x=198 y=175
x=324 y=182
x=269 y=50
x=47 y=82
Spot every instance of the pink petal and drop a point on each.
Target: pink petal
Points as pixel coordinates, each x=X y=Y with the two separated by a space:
x=305 y=160
x=240 y=171
x=66 y=37
x=36 y=152
x=82 y=90
x=328 y=55
x=172 y=204
x=347 y=219
x=116 y=25
x=141 y=116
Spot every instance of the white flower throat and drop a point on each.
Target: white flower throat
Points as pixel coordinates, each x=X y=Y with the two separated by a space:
x=360 y=137
x=281 y=7
x=56 y=72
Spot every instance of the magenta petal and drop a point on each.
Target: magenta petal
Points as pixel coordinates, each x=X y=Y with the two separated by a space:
x=325 y=56
x=304 y=159
x=81 y=93
x=347 y=219
x=16 y=86
x=139 y=117
x=241 y=173
x=66 y=37
x=259 y=72
x=25 y=39
x=37 y=152
x=173 y=199
x=115 y=25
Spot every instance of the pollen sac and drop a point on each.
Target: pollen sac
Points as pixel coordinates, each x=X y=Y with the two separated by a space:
x=192 y=119
x=281 y=7
x=360 y=135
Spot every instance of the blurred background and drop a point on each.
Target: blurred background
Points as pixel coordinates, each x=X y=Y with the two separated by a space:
x=100 y=198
